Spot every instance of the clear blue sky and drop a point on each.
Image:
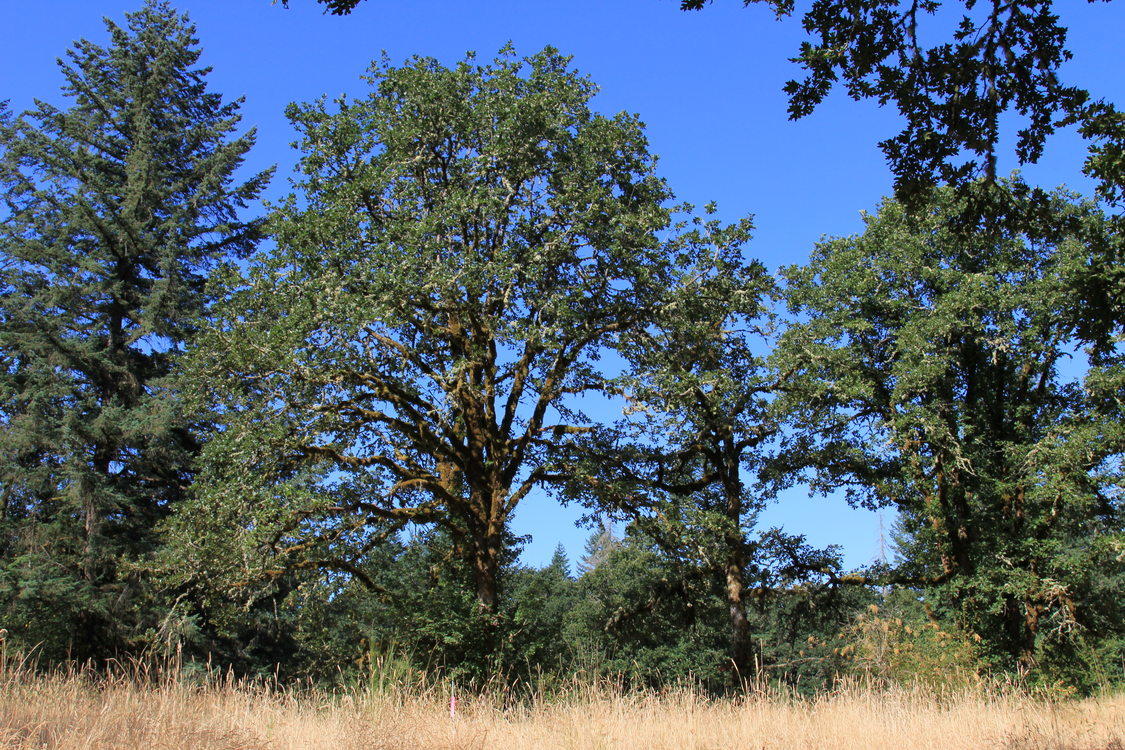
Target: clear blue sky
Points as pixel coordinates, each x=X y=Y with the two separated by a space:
x=708 y=85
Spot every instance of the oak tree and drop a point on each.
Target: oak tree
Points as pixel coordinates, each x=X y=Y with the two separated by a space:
x=466 y=242
x=952 y=69
x=699 y=423
x=930 y=369
x=696 y=389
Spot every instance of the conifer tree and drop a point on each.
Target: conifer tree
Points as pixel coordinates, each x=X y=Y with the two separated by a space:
x=117 y=206
x=599 y=546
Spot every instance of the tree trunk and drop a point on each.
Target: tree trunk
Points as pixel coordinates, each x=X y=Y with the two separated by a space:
x=741 y=648
x=485 y=572
x=487 y=549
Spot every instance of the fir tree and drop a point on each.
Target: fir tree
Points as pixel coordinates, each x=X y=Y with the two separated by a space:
x=599 y=546
x=117 y=207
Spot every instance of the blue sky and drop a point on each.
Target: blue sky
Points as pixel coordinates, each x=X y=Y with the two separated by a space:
x=707 y=84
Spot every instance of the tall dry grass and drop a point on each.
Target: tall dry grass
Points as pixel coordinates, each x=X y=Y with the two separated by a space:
x=136 y=709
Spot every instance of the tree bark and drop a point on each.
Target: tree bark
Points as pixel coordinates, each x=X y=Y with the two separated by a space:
x=741 y=648
x=486 y=570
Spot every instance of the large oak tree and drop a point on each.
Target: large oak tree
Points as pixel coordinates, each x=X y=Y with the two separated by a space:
x=466 y=242
x=697 y=420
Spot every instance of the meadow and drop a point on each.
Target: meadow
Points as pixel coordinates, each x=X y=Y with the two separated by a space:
x=139 y=709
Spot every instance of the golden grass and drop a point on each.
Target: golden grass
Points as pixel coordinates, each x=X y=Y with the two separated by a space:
x=75 y=711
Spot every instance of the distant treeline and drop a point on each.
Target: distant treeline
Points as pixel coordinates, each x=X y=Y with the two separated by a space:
x=301 y=457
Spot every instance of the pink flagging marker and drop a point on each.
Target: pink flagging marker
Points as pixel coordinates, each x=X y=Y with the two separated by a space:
x=452 y=703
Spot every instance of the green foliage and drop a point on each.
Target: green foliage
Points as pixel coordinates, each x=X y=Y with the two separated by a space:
x=955 y=71
x=699 y=418
x=409 y=602
x=928 y=373
x=652 y=618
x=795 y=630
x=539 y=603
x=598 y=547
x=116 y=209
x=643 y=618
x=418 y=609
x=467 y=243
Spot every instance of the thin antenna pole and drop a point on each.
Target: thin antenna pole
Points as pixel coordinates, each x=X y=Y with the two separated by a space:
x=882 y=541
x=882 y=552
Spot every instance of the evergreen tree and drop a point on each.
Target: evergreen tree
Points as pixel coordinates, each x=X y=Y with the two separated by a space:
x=646 y=617
x=117 y=207
x=599 y=546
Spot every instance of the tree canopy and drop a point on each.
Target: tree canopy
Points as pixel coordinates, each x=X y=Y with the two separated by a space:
x=952 y=69
x=467 y=243
x=696 y=423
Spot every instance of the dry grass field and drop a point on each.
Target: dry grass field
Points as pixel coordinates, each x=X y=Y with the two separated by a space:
x=73 y=711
